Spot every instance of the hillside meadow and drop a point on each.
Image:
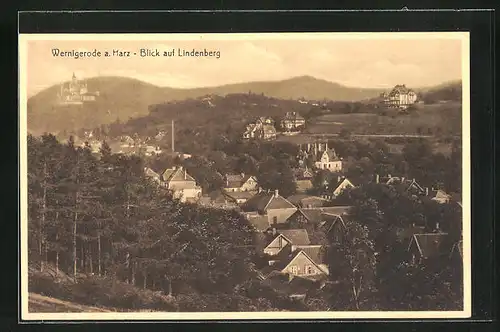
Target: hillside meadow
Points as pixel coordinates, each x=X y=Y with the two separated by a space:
x=443 y=119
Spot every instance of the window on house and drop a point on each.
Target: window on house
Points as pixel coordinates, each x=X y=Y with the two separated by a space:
x=309 y=269
x=275 y=220
x=294 y=269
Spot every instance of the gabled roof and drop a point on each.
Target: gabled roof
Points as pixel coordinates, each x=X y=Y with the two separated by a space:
x=294 y=256
x=267 y=201
x=293 y=116
x=428 y=244
x=459 y=246
x=239 y=194
x=304 y=199
x=332 y=156
x=296 y=236
x=341 y=181
x=260 y=223
x=315 y=252
x=439 y=194
x=329 y=220
x=400 y=89
x=314 y=215
x=269 y=129
x=236 y=180
x=176 y=174
x=150 y=173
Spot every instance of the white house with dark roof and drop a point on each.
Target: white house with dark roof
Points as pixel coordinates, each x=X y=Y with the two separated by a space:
x=240 y=182
x=182 y=185
x=292 y=253
x=277 y=208
x=329 y=160
x=400 y=97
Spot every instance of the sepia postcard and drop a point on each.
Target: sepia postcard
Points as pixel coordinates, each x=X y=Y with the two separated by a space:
x=244 y=176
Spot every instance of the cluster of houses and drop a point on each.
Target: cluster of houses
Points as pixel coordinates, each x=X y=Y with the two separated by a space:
x=293 y=233
x=264 y=127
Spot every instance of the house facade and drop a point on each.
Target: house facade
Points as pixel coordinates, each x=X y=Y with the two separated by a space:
x=182 y=185
x=277 y=208
x=400 y=97
x=293 y=121
x=240 y=182
x=329 y=160
x=342 y=184
x=263 y=129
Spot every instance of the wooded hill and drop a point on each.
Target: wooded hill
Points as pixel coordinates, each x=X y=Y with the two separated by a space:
x=123 y=98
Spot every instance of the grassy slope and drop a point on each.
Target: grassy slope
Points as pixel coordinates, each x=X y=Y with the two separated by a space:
x=40 y=303
x=446 y=116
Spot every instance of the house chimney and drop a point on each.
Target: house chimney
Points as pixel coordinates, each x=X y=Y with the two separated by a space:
x=437 y=227
x=174 y=168
x=339 y=177
x=276 y=193
x=389 y=176
x=242 y=174
x=377 y=178
x=185 y=175
x=326 y=146
x=274 y=231
x=426 y=191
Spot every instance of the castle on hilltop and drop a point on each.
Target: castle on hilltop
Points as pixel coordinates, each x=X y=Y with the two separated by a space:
x=76 y=92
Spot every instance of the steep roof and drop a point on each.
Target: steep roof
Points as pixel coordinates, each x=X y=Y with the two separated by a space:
x=176 y=174
x=400 y=89
x=236 y=180
x=429 y=244
x=315 y=252
x=296 y=236
x=269 y=129
x=150 y=173
x=240 y=194
x=293 y=116
x=260 y=223
x=329 y=220
x=332 y=156
x=315 y=214
x=304 y=199
x=267 y=201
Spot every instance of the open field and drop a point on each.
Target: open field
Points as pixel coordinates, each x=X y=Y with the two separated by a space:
x=426 y=120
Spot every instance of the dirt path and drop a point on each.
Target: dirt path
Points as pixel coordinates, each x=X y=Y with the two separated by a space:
x=40 y=303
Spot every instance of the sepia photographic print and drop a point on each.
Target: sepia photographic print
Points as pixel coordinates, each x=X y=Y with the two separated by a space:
x=244 y=176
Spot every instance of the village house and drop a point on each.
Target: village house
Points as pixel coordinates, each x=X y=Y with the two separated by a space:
x=262 y=129
x=293 y=121
x=311 y=215
x=182 y=185
x=303 y=179
x=152 y=175
x=340 y=185
x=439 y=195
x=218 y=200
x=303 y=200
x=238 y=197
x=403 y=184
x=400 y=97
x=328 y=160
x=428 y=245
x=277 y=208
x=290 y=252
x=240 y=182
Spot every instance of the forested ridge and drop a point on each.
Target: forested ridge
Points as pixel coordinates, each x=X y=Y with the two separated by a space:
x=102 y=217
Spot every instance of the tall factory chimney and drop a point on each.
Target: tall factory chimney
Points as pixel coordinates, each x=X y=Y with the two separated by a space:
x=173 y=137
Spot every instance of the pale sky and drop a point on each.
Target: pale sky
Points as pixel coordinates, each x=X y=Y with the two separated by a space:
x=369 y=63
